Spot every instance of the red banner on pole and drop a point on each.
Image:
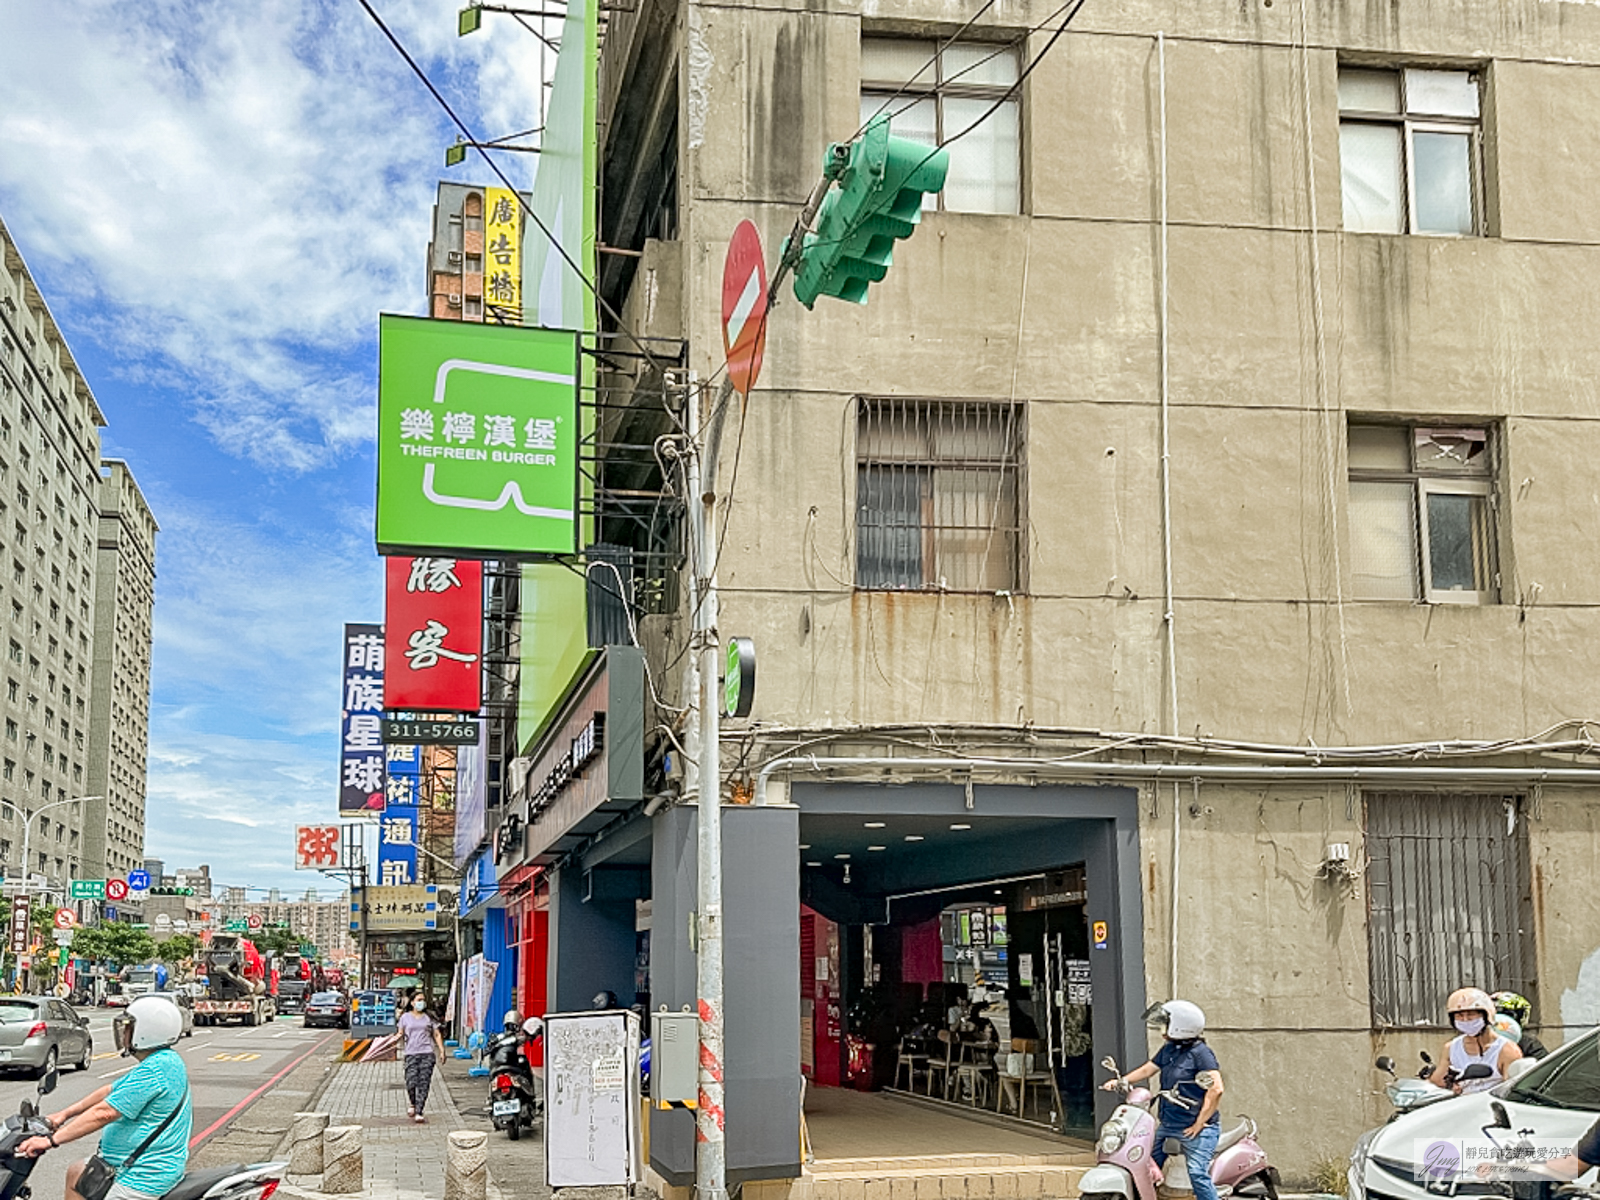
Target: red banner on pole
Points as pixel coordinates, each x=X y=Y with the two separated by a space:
x=433 y=635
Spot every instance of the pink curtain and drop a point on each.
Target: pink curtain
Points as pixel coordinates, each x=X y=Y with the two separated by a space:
x=922 y=953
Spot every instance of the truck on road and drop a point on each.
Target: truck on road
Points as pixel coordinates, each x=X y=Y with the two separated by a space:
x=236 y=984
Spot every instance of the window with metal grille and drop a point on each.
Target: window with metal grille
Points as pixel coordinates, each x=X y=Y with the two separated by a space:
x=936 y=495
x=1422 y=514
x=1448 y=904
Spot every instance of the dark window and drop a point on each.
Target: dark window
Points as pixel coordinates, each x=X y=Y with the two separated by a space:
x=1448 y=901
x=936 y=495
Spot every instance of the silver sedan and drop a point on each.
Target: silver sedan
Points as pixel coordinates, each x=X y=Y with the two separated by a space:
x=41 y=1033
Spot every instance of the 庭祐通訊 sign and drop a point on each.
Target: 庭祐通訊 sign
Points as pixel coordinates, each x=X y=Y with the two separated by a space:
x=477 y=438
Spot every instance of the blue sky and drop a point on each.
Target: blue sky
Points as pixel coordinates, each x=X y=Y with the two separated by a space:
x=216 y=198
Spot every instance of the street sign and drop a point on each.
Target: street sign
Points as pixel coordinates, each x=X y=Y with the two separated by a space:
x=233 y=927
x=163 y=921
x=254 y=921
x=111 y=913
x=88 y=889
x=744 y=307
x=181 y=926
x=138 y=881
x=316 y=847
x=739 y=678
x=21 y=910
x=116 y=889
x=429 y=733
x=63 y=937
x=65 y=918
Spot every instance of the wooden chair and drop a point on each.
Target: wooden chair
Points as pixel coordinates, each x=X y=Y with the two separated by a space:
x=1019 y=1079
x=973 y=1073
x=912 y=1061
x=945 y=1066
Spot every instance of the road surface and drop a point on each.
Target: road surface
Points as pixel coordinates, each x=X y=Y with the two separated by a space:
x=229 y=1068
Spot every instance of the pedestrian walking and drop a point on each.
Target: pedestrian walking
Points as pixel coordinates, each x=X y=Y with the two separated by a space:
x=422 y=1047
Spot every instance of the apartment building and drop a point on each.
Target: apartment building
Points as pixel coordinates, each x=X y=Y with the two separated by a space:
x=55 y=598
x=1182 y=557
x=120 y=717
x=323 y=923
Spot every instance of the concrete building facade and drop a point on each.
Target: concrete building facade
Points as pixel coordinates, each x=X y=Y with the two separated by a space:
x=1200 y=501
x=55 y=586
x=119 y=726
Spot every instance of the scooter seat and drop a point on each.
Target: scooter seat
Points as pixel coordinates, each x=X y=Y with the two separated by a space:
x=198 y=1183
x=1245 y=1128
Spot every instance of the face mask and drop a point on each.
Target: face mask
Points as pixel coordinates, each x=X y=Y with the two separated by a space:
x=1471 y=1026
x=419 y=1005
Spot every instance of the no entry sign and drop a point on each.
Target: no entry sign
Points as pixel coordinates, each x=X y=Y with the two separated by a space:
x=744 y=307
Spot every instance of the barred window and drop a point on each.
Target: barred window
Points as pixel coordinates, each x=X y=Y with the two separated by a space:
x=1448 y=903
x=936 y=495
x=1422 y=514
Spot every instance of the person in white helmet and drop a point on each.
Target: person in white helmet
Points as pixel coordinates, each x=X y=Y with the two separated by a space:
x=148 y=1107
x=1472 y=1012
x=1189 y=1069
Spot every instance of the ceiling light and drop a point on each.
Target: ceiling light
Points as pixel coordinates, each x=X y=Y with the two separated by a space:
x=877 y=847
x=813 y=864
x=913 y=837
x=874 y=824
x=841 y=857
x=805 y=845
x=958 y=825
x=999 y=892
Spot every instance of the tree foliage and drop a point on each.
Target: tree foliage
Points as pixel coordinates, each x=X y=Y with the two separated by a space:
x=114 y=943
x=277 y=941
x=179 y=946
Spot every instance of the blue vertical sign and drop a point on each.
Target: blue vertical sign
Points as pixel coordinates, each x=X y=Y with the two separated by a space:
x=361 y=774
x=397 y=831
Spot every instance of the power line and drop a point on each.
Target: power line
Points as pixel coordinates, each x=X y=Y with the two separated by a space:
x=483 y=151
x=937 y=54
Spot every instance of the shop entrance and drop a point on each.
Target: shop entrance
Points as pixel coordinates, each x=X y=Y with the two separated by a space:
x=972 y=949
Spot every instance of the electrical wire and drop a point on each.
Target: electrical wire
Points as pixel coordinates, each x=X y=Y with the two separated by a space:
x=483 y=151
x=933 y=62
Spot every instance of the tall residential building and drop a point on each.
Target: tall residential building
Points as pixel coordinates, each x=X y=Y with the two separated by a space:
x=51 y=494
x=119 y=724
x=323 y=923
x=471 y=270
x=1176 y=580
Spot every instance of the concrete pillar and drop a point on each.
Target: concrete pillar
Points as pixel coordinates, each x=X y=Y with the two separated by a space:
x=305 y=1143
x=342 y=1170
x=466 y=1172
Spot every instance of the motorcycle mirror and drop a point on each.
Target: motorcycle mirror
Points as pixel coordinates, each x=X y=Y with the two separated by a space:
x=1427 y=1058
x=1385 y=1063
x=1502 y=1120
x=48 y=1083
x=1477 y=1071
x=26 y=1110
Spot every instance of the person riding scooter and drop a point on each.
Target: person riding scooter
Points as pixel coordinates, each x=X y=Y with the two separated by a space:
x=1520 y=1009
x=1188 y=1069
x=1472 y=1013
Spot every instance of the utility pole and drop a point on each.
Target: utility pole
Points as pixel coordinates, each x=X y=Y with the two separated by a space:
x=703 y=776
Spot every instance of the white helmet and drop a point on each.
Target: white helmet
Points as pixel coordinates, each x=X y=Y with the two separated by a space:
x=1181 y=1019
x=150 y=1023
x=511 y=1021
x=533 y=1027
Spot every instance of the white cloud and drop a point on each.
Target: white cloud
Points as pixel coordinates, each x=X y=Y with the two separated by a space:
x=234 y=190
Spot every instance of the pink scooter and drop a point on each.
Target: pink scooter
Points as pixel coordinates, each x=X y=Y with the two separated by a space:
x=1124 y=1168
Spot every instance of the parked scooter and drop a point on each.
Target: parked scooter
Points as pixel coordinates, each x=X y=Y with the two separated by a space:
x=515 y=1101
x=1124 y=1168
x=239 y=1181
x=1408 y=1095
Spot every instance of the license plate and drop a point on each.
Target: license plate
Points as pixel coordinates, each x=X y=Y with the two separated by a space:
x=505 y=1108
x=5 y=1056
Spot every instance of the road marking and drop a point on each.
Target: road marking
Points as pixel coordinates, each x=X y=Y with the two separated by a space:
x=239 y=1107
x=234 y=1057
x=107 y=1054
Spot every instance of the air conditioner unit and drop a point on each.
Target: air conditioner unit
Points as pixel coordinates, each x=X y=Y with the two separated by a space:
x=455 y=299
x=454 y=256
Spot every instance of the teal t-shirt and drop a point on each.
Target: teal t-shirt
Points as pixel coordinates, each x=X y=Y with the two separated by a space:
x=144 y=1097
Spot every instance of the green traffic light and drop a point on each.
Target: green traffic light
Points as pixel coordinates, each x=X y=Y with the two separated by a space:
x=878 y=202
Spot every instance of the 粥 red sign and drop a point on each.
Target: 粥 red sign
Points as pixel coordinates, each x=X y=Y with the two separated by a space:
x=433 y=635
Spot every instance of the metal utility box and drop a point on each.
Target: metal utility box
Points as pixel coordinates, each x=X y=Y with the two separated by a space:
x=674 y=1058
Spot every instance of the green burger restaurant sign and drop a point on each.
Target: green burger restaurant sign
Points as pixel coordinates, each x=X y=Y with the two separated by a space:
x=477 y=438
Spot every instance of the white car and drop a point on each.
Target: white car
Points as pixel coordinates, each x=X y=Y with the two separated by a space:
x=1558 y=1099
